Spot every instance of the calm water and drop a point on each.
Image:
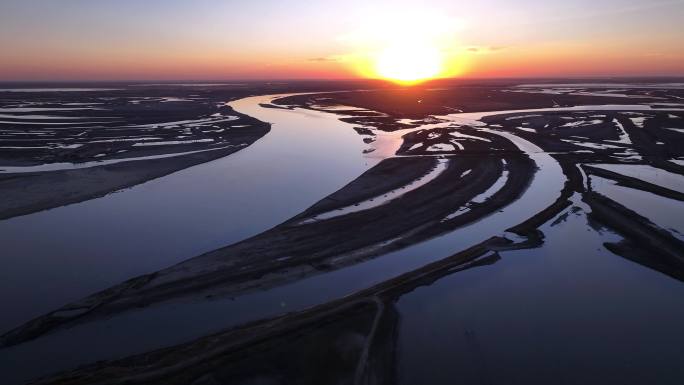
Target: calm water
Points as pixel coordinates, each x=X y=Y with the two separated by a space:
x=180 y=321
x=568 y=309
x=569 y=312
x=53 y=257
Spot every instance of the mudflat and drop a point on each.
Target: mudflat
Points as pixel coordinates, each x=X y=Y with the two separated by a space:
x=469 y=181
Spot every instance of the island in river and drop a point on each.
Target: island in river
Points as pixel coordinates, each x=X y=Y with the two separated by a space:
x=486 y=231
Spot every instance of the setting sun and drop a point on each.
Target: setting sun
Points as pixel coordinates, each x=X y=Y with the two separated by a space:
x=409 y=64
x=406 y=46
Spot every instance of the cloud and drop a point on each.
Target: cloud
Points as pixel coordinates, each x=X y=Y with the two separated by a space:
x=485 y=49
x=323 y=59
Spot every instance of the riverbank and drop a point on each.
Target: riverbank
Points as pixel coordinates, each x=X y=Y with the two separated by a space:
x=505 y=182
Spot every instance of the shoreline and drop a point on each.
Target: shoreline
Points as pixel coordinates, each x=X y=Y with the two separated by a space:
x=498 y=158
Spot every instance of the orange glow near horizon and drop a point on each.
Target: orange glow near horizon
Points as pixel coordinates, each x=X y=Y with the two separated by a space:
x=407 y=47
x=405 y=43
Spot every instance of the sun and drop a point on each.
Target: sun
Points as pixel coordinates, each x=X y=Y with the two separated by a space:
x=409 y=63
x=404 y=45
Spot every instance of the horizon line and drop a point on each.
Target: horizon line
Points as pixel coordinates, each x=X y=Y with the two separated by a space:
x=268 y=80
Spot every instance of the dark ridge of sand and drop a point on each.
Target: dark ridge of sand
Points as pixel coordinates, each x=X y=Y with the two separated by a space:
x=636 y=228
x=646 y=141
x=105 y=124
x=184 y=145
x=224 y=353
x=390 y=174
x=311 y=248
x=655 y=144
x=203 y=358
x=109 y=124
x=30 y=193
x=487 y=145
x=421 y=103
x=147 y=112
x=240 y=351
x=635 y=252
x=360 y=335
x=80 y=128
x=215 y=356
x=635 y=183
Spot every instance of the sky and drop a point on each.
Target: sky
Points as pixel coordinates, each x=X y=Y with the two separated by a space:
x=297 y=39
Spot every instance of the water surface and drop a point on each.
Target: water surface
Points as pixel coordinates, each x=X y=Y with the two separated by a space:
x=60 y=255
x=570 y=312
